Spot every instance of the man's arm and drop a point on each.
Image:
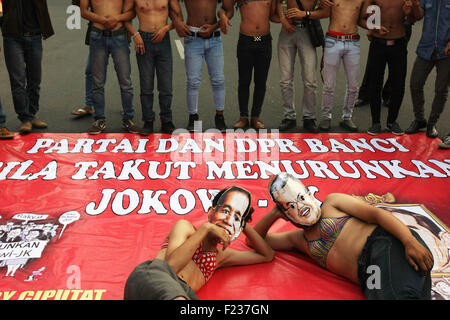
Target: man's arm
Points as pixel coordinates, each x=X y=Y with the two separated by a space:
x=284 y=241
x=112 y=22
x=262 y=253
x=184 y=241
x=129 y=7
x=281 y=17
x=416 y=11
x=225 y=14
x=90 y=15
x=176 y=15
x=320 y=13
x=416 y=254
x=139 y=46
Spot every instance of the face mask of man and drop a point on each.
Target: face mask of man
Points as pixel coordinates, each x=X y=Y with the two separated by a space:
x=295 y=201
x=230 y=211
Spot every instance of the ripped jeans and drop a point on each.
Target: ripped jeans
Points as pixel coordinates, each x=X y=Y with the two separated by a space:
x=398 y=280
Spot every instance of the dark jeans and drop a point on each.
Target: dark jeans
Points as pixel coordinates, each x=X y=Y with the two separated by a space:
x=419 y=75
x=363 y=93
x=157 y=58
x=395 y=56
x=2 y=116
x=88 y=84
x=100 y=48
x=23 y=58
x=398 y=279
x=253 y=56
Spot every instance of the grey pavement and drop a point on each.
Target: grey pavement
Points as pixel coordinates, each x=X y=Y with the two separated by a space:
x=62 y=85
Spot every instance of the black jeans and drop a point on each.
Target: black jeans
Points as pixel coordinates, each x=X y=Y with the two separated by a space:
x=395 y=56
x=363 y=93
x=157 y=59
x=419 y=75
x=253 y=55
x=23 y=58
x=398 y=279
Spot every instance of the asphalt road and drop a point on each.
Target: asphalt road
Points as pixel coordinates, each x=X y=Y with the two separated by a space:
x=62 y=85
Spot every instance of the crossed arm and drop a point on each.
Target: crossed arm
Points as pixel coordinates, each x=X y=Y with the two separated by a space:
x=109 y=23
x=184 y=240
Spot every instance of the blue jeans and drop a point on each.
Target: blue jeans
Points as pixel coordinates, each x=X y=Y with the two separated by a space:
x=334 y=51
x=157 y=58
x=100 y=47
x=2 y=116
x=197 y=49
x=88 y=84
x=23 y=58
x=398 y=279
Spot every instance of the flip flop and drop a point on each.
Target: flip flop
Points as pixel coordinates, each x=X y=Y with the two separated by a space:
x=83 y=111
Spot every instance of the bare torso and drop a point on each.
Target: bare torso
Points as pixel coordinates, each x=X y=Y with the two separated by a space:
x=392 y=17
x=343 y=256
x=344 y=16
x=107 y=9
x=307 y=5
x=200 y=12
x=191 y=273
x=255 y=18
x=152 y=14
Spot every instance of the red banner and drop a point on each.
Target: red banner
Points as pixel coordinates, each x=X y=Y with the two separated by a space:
x=79 y=213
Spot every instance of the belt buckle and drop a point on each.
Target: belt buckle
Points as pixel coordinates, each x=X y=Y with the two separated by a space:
x=257 y=38
x=107 y=33
x=390 y=42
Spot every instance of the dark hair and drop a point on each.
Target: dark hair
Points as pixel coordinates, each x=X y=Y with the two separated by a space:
x=218 y=201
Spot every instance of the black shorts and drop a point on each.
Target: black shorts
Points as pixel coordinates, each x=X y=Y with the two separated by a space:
x=156 y=280
x=384 y=255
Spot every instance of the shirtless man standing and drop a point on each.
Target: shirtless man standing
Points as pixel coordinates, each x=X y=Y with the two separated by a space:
x=153 y=54
x=254 y=53
x=388 y=46
x=293 y=39
x=202 y=41
x=341 y=42
x=109 y=36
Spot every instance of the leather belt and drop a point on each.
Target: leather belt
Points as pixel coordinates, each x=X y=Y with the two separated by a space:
x=346 y=37
x=213 y=35
x=110 y=33
x=265 y=37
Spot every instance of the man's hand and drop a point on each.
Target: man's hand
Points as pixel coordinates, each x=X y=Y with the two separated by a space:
x=220 y=234
x=111 y=23
x=447 y=49
x=224 y=22
x=181 y=28
x=287 y=26
x=139 y=44
x=407 y=7
x=160 y=34
x=418 y=256
x=295 y=13
x=382 y=31
x=326 y=4
x=206 y=30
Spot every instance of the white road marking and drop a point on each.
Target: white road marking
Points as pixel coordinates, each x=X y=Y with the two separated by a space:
x=180 y=48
